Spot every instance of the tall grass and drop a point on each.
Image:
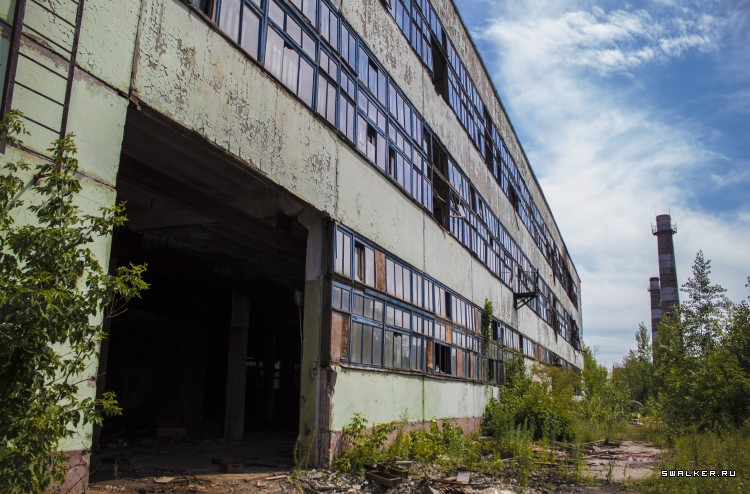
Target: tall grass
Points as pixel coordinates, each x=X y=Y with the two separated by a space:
x=704 y=451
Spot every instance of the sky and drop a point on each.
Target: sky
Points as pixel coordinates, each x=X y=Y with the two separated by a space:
x=627 y=110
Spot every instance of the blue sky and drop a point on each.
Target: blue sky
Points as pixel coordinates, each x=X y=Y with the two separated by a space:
x=627 y=110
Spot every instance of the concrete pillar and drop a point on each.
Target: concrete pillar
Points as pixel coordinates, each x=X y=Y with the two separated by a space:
x=314 y=422
x=234 y=415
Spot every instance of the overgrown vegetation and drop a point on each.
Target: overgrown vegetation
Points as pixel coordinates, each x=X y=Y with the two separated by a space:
x=53 y=292
x=689 y=391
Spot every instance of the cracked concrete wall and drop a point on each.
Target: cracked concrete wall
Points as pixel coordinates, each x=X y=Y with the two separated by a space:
x=193 y=75
x=385 y=397
x=165 y=55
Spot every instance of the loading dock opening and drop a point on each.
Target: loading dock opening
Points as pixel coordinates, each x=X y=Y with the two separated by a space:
x=211 y=355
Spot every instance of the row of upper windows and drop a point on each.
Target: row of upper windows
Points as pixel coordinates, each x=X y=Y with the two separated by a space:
x=373 y=114
x=454 y=83
x=354 y=258
x=384 y=333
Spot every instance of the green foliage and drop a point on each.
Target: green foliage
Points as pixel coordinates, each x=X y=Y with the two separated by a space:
x=363 y=448
x=486 y=324
x=636 y=377
x=702 y=371
x=486 y=334
x=53 y=292
x=427 y=445
x=604 y=407
x=542 y=408
x=704 y=451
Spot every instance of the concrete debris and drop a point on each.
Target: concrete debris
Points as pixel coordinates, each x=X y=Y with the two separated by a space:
x=463 y=477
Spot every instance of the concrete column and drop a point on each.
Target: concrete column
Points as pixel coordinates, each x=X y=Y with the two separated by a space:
x=234 y=415
x=314 y=423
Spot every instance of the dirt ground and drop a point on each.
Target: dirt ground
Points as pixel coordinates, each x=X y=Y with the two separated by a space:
x=176 y=469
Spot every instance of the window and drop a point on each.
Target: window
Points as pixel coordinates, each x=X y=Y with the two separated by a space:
x=366 y=344
x=250 y=31
x=367 y=307
x=329 y=25
x=341 y=298
x=286 y=64
x=343 y=257
x=308 y=8
x=364 y=263
x=238 y=19
x=417 y=289
x=428 y=299
x=417 y=353
x=326 y=103
x=440 y=331
x=372 y=76
x=398 y=280
x=397 y=348
x=229 y=18
x=348 y=49
x=442 y=298
x=284 y=60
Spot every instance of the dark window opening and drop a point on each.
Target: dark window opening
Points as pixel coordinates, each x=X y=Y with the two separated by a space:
x=204 y=6
x=440 y=68
x=443 y=360
x=513 y=198
x=392 y=163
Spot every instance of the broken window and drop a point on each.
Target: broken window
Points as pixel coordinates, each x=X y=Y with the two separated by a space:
x=445 y=359
x=284 y=59
x=397 y=347
x=203 y=5
x=364 y=264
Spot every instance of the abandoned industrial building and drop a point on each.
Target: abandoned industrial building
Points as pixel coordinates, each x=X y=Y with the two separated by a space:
x=326 y=193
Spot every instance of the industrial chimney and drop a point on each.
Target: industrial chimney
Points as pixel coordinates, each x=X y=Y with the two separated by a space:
x=669 y=294
x=655 y=289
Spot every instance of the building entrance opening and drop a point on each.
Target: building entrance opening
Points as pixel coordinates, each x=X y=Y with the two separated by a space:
x=206 y=365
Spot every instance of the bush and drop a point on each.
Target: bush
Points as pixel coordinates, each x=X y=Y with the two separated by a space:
x=541 y=408
x=362 y=448
x=53 y=292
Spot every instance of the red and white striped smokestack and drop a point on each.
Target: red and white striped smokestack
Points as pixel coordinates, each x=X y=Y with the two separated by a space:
x=669 y=294
x=655 y=289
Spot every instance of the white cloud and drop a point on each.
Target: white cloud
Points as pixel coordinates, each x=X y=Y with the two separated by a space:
x=608 y=164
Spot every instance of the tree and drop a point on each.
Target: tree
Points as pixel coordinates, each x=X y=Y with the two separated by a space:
x=603 y=402
x=53 y=293
x=703 y=370
x=636 y=376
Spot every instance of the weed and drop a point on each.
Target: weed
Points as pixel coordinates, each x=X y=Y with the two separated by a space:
x=363 y=447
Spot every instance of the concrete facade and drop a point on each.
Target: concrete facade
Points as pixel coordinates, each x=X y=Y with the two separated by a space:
x=184 y=109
